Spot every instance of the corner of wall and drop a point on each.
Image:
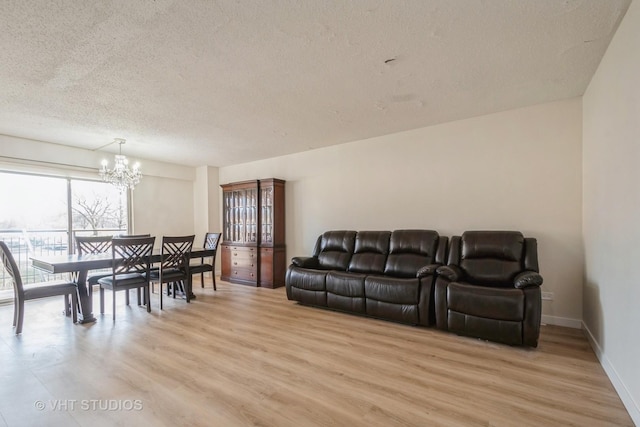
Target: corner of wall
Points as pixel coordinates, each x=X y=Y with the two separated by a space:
x=625 y=395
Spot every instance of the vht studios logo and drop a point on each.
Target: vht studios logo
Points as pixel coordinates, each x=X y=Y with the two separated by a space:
x=89 y=405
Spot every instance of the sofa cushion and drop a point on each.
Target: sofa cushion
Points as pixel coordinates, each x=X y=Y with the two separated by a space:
x=304 y=278
x=492 y=258
x=393 y=298
x=490 y=303
x=371 y=250
x=345 y=291
x=345 y=284
x=334 y=249
x=391 y=289
x=410 y=250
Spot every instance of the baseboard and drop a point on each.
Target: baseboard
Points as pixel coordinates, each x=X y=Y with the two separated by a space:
x=627 y=400
x=561 y=321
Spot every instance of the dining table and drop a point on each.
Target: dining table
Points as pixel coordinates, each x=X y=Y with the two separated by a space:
x=80 y=265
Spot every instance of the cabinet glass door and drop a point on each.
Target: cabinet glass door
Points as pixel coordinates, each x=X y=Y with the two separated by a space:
x=266 y=196
x=251 y=219
x=227 y=210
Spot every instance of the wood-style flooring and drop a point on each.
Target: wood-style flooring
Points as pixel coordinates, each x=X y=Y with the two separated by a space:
x=248 y=356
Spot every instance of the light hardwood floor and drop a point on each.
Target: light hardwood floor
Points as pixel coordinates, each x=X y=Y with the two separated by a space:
x=247 y=356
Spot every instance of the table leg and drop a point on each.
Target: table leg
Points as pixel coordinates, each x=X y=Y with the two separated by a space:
x=85 y=299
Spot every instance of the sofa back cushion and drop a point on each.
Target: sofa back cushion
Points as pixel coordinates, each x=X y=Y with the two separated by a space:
x=334 y=249
x=371 y=250
x=410 y=250
x=492 y=257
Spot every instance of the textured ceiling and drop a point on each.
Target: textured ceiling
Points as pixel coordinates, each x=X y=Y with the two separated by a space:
x=204 y=82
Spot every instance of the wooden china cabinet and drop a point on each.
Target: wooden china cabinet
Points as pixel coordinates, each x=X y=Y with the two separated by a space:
x=253 y=245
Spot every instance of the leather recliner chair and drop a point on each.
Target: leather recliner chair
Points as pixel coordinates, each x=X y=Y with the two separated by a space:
x=490 y=288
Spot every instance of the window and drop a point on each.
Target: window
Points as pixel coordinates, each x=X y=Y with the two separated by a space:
x=43 y=214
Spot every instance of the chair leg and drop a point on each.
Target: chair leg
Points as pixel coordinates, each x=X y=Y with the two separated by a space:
x=67 y=309
x=20 y=317
x=213 y=276
x=202 y=280
x=74 y=306
x=147 y=298
x=126 y=297
x=101 y=300
x=114 y=302
x=15 y=311
x=160 y=287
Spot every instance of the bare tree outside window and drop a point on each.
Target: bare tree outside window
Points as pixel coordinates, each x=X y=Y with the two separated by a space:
x=97 y=207
x=98 y=213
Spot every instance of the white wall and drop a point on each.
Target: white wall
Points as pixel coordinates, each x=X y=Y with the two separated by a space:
x=163 y=206
x=207 y=204
x=520 y=169
x=611 y=210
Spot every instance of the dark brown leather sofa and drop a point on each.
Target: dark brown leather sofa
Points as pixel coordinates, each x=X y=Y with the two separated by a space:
x=388 y=275
x=490 y=288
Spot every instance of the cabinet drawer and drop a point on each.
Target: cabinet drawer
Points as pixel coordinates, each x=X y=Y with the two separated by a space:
x=244 y=273
x=243 y=254
x=242 y=262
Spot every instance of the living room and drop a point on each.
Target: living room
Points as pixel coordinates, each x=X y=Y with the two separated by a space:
x=561 y=171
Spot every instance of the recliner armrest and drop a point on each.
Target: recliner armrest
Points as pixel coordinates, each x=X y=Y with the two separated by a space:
x=527 y=279
x=453 y=273
x=427 y=270
x=305 y=262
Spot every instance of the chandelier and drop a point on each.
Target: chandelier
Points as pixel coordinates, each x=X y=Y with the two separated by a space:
x=120 y=175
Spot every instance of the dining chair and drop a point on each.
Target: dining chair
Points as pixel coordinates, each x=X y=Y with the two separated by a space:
x=132 y=236
x=130 y=269
x=87 y=245
x=211 y=241
x=33 y=291
x=174 y=265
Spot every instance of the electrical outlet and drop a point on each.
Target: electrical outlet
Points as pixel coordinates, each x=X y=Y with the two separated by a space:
x=547 y=296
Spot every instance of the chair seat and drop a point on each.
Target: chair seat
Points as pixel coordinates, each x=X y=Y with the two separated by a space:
x=48 y=289
x=123 y=280
x=93 y=279
x=168 y=275
x=486 y=302
x=200 y=268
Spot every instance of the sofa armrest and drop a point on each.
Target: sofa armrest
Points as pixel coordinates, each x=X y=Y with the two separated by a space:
x=427 y=270
x=452 y=273
x=527 y=279
x=305 y=262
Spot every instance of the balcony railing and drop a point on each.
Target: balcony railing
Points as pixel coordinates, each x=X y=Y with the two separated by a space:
x=26 y=243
